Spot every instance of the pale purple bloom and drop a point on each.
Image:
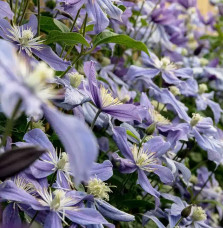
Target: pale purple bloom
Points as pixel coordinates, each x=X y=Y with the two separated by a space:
x=144 y=160
x=96 y=9
x=70 y=130
x=23 y=37
x=104 y=100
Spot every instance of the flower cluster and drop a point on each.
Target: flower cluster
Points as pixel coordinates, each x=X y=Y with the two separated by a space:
x=111 y=114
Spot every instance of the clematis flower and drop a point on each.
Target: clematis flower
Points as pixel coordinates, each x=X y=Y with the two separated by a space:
x=96 y=9
x=206 y=99
x=23 y=37
x=100 y=191
x=31 y=88
x=154 y=66
x=144 y=160
x=104 y=100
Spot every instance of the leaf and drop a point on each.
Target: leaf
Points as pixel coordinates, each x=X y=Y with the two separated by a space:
x=111 y=37
x=69 y=38
x=132 y=135
x=15 y=160
x=138 y=203
x=48 y=24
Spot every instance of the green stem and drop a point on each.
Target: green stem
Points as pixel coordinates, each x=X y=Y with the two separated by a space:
x=71 y=29
x=95 y=118
x=33 y=219
x=195 y=197
x=179 y=221
x=38 y=18
x=9 y=124
x=24 y=11
x=53 y=179
x=15 y=11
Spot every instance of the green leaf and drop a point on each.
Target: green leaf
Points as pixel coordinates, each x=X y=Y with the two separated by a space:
x=132 y=135
x=48 y=24
x=68 y=38
x=111 y=37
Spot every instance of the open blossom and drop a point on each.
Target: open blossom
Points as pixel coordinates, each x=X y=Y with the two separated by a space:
x=23 y=37
x=104 y=100
x=144 y=160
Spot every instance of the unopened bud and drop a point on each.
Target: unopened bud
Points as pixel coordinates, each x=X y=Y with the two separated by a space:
x=174 y=90
x=195 y=119
x=150 y=130
x=184 y=52
x=186 y=211
x=203 y=62
x=193 y=179
x=203 y=88
x=75 y=79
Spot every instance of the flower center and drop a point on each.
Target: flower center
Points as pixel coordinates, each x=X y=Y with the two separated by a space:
x=75 y=79
x=59 y=195
x=144 y=159
x=107 y=99
x=198 y=214
x=196 y=117
x=166 y=64
x=27 y=34
x=63 y=161
x=158 y=118
x=174 y=90
x=98 y=188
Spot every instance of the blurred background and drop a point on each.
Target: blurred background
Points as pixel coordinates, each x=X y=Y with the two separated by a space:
x=205 y=6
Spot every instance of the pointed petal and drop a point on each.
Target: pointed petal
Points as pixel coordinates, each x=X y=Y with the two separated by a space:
x=53 y=220
x=50 y=57
x=113 y=213
x=120 y=137
x=5 y=10
x=123 y=112
x=78 y=140
x=89 y=69
x=145 y=184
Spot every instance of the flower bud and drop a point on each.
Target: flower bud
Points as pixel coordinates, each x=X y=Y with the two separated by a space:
x=202 y=88
x=186 y=211
x=203 y=62
x=75 y=79
x=195 y=119
x=184 y=52
x=150 y=130
x=174 y=90
x=193 y=179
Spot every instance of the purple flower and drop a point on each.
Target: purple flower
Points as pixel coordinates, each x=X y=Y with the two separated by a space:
x=144 y=160
x=97 y=10
x=104 y=100
x=23 y=37
x=168 y=70
x=33 y=91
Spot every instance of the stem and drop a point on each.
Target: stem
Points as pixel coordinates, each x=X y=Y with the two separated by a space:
x=179 y=221
x=10 y=3
x=33 y=219
x=9 y=124
x=195 y=197
x=38 y=18
x=82 y=47
x=138 y=18
x=53 y=179
x=71 y=29
x=95 y=118
x=15 y=11
x=24 y=11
